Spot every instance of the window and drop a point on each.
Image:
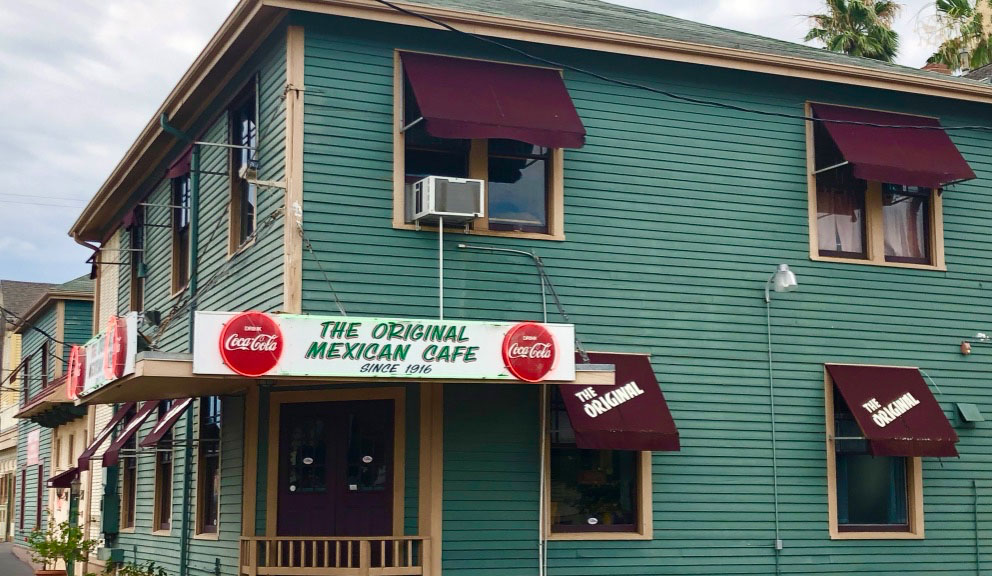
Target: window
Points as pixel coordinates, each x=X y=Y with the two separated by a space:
x=869 y=496
x=869 y=222
x=23 y=501
x=137 y=242
x=605 y=493
x=44 y=364
x=524 y=193
x=180 y=232
x=243 y=122
x=129 y=476
x=38 y=504
x=208 y=466
x=163 y=474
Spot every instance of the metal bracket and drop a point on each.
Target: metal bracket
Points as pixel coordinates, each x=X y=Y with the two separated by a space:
x=844 y=163
x=411 y=124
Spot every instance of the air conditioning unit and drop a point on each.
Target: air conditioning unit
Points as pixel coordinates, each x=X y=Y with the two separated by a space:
x=456 y=200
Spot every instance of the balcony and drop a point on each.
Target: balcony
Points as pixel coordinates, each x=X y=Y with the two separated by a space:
x=324 y=556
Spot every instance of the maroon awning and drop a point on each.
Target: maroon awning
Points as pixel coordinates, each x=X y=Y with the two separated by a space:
x=628 y=415
x=98 y=440
x=905 y=156
x=63 y=479
x=163 y=426
x=112 y=456
x=462 y=98
x=181 y=165
x=895 y=410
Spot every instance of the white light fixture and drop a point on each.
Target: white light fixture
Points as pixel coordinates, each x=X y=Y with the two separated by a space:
x=783 y=280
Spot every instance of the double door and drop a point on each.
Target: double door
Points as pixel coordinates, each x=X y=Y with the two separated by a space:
x=336 y=469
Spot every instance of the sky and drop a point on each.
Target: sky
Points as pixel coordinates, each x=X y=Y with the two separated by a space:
x=79 y=79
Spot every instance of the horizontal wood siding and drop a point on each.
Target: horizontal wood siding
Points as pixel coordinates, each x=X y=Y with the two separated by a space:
x=249 y=280
x=78 y=324
x=491 y=464
x=675 y=215
x=144 y=544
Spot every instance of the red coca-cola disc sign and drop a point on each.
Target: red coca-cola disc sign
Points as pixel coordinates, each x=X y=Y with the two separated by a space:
x=529 y=351
x=251 y=344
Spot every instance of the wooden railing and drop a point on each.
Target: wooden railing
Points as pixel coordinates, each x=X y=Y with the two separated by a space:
x=320 y=556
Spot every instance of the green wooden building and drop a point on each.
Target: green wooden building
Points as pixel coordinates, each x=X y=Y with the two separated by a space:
x=51 y=428
x=630 y=176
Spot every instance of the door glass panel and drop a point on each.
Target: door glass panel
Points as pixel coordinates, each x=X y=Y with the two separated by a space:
x=307 y=456
x=367 y=467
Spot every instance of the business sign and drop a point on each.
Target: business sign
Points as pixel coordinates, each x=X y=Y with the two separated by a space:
x=105 y=358
x=33 y=443
x=256 y=344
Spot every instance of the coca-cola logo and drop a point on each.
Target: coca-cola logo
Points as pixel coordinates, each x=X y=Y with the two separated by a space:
x=251 y=344
x=76 y=371
x=529 y=351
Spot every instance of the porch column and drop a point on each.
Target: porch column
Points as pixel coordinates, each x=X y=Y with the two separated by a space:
x=431 y=470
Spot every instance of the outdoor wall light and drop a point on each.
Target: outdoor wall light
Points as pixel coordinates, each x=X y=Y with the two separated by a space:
x=783 y=280
x=978 y=338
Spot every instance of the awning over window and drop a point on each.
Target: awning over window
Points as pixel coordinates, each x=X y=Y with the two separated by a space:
x=165 y=424
x=112 y=456
x=181 y=165
x=895 y=410
x=63 y=479
x=628 y=415
x=462 y=98
x=99 y=439
x=905 y=156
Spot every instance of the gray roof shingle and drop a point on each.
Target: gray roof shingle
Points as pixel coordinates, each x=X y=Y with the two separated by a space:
x=18 y=297
x=597 y=15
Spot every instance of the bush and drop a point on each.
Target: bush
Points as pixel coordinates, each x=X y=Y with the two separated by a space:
x=63 y=542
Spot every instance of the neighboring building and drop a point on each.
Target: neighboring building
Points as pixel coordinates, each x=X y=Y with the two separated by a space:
x=799 y=434
x=51 y=429
x=15 y=297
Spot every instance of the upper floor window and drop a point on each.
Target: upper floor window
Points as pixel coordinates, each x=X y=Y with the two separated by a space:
x=45 y=350
x=180 y=232
x=875 y=186
x=243 y=122
x=137 y=254
x=506 y=125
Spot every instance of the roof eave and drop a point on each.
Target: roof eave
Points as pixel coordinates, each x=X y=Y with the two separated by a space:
x=97 y=217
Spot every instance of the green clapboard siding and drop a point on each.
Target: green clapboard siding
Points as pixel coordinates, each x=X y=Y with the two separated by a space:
x=491 y=464
x=252 y=280
x=675 y=215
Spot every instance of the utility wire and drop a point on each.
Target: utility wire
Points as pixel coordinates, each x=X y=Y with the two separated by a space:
x=671 y=95
x=30 y=325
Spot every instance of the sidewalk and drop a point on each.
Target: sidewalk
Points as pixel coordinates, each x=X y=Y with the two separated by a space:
x=10 y=565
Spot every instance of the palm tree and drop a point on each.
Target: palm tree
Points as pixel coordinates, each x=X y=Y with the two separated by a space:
x=858 y=28
x=964 y=25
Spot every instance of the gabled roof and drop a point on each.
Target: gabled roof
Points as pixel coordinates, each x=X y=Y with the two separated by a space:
x=584 y=24
x=19 y=296
x=76 y=289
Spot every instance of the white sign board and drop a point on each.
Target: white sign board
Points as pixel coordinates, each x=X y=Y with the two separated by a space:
x=256 y=344
x=97 y=358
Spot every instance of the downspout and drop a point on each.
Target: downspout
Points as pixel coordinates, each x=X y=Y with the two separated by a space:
x=194 y=233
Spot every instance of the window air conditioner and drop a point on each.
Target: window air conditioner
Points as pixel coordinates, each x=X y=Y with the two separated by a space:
x=457 y=200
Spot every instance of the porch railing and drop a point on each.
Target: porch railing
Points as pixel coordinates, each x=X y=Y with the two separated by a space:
x=321 y=556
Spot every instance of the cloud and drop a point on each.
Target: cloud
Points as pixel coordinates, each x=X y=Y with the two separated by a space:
x=82 y=78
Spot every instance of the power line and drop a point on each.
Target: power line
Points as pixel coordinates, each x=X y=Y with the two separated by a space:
x=32 y=326
x=50 y=204
x=666 y=93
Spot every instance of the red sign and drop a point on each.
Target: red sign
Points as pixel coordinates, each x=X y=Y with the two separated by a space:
x=251 y=344
x=76 y=371
x=115 y=350
x=529 y=351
